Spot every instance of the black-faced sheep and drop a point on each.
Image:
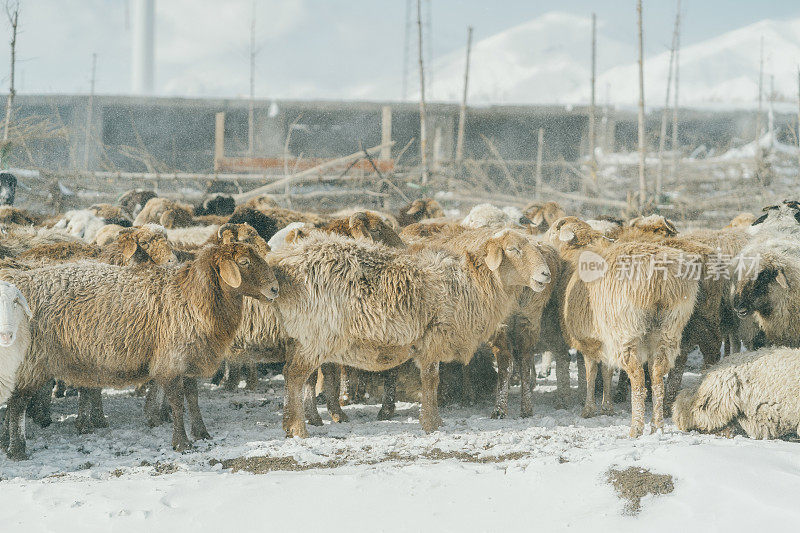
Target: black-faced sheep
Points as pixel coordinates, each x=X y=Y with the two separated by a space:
x=135 y=325
x=216 y=204
x=419 y=209
x=133 y=201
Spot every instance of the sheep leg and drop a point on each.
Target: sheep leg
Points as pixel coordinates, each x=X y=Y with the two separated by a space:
x=96 y=415
x=581 y=363
x=152 y=405
x=39 y=408
x=198 y=427
x=607 y=405
x=15 y=419
x=502 y=355
x=623 y=387
x=674 y=378
x=174 y=391
x=83 y=422
x=638 y=392
x=589 y=406
x=467 y=392
x=296 y=373
x=233 y=375
x=4 y=436
x=252 y=376
x=389 y=393
x=429 y=417
x=526 y=384
x=657 y=372
x=330 y=384
x=563 y=388
x=310 y=400
x=344 y=385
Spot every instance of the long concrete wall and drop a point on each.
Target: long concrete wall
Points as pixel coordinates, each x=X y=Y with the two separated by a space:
x=169 y=134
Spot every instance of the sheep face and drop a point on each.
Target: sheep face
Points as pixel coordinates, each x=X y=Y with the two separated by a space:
x=243 y=233
x=363 y=225
x=176 y=218
x=570 y=233
x=786 y=216
x=760 y=295
x=517 y=260
x=420 y=209
x=242 y=271
x=13 y=310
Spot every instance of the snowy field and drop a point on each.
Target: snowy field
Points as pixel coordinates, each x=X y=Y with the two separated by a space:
x=549 y=472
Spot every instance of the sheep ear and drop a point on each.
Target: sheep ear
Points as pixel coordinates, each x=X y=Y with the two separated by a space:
x=566 y=235
x=129 y=246
x=538 y=218
x=761 y=219
x=24 y=303
x=292 y=236
x=781 y=279
x=494 y=256
x=415 y=208
x=670 y=226
x=230 y=274
x=358 y=226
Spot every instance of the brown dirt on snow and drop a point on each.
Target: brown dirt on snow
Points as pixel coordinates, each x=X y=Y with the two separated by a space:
x=633 y=484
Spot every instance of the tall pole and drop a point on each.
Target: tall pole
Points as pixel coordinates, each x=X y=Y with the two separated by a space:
x=13 y=19
x=539 y=149
x=662 y=140
x=675 y=153
x=642 y=184
x=592 y=99
x=406 y=50
x=462 y=115
x=423 y=137
x=89 y=110
x=251 y=106
x=760 y=92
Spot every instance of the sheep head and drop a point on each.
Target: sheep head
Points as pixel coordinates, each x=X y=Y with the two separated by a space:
x=243 y=233
x=516 y=260
x=655 y=224
x=146 y=244
x=762 y=291
x=243 y=271
x=369 y=226
x=572 y=233
x=422 y=208
x=176 y=218
x=13 y=311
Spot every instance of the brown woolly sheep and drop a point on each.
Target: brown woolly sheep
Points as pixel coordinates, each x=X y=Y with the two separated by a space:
x=374 y=307
x=21 y=217
x=284 y=217
x=421 y=230
x=134 y=201
x=632 y=314
x=112 y=213
x=135 y=325
x=180 y=215
x=107 y=234
x=742 y=220
x=419 y=209
x=261 y=202
x=542 y=216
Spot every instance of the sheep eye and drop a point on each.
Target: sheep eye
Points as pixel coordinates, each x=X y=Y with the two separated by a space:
x=514 y=251
x=244 y=261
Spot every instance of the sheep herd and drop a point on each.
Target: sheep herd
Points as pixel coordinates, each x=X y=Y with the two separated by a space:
x=156 y=294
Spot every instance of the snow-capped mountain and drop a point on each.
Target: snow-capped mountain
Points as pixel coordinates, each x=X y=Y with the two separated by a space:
x=546 y=61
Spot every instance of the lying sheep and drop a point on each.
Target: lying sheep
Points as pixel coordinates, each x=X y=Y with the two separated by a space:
x=542 y=216
x=283 y=217
x=418 y=210
x=158 y=210
x=374 y=307
x=15 y=336
x=113 y=214
x=486 y=215
x=777 y=219
x=260 y=202
x=81 y=223
x=216 y=204
x=278 y=241
x=137 y=325
x=21 y=217
x=758 y=392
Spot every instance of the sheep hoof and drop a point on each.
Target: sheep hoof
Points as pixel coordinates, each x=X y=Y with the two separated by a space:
x=17 y=453
x=588 y=411
x=296 y=430
x=429 y=426
x=386 y=413
x=526 y=412
x=498 y=413
x=340 y=417
x=607 y=410
x=181 y=445
x=315 y=420
x=201 y=434
x=636 y=431
x=99 y=422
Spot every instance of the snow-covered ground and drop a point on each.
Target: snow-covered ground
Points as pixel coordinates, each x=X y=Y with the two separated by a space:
x=547 y=472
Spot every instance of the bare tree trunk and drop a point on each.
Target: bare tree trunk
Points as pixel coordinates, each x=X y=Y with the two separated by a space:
x=662 y=140
x=89 y=111
x=539 y=150
x=642 y=184
x=462 y=115
x=251 y=106
x=676 y=154
x=12 y=11
x=423 y=136
x=592 y=158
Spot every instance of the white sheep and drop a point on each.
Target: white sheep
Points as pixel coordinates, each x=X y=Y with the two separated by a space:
x=15 y=336
x=278 y=240
x=486 y=216
x=758 y=391
x=81 y=223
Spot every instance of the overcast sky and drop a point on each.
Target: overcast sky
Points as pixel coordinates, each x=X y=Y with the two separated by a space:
x=307 y=48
